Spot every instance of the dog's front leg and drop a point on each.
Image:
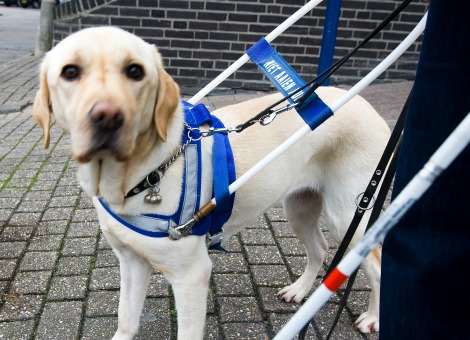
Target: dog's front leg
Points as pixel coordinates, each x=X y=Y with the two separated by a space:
x=135 y=279
x=190 y=286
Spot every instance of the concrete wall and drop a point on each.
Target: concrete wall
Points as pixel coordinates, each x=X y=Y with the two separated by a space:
x=199 y=39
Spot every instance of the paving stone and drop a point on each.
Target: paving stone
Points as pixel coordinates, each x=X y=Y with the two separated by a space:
x=20 y=307
x=11 y=250
x=282 y=229
x=31 y=282
x=276 y=214
x=74 y=265
x=7 y=268
x=68 y=287
x=155 y=320
x=270 y=275
x=270 y=302
x=102 y=244
x=44 y=243
x=228 y=263
x=106 y=258
x=257 y=237
x=13 y=192
x=60 y=320
x=18 y=330
x=10 y=202
x=85 y=202
x=99 y=328
x=159 y=287
x=39 y=260
x=83 y=229
x=233 y=285
x=17 y=233
x=212 y=332
x=4 y=287
x=32 y=206
x=358 y=302
x=297 y=264
x=61 y=202
x=79 y=246
x=67 y=190
x=344 y=329
x=54 y=214
x=245 y=331
x=105 y=278
x=102 y=303
x=239 y=309
x=49 y=176
x=36 y=196
x=25 y=219
x=83 y=215
x=52 y=228
x=5 y=215
x=263 y=255
x=291 y=246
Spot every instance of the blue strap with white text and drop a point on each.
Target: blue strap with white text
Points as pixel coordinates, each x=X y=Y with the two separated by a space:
x=313 y=111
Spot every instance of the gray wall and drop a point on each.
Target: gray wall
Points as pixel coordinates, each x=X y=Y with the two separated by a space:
x=199 y=39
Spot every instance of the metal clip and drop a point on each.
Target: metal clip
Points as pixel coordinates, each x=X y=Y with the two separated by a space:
x=268 y=119
x=175 y=232
x=213 y=131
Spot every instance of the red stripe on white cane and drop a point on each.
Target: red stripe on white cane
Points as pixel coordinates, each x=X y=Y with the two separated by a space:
x=335 y=280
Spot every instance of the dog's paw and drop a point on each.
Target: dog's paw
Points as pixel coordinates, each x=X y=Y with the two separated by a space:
x=293 y=293
x=367 y=323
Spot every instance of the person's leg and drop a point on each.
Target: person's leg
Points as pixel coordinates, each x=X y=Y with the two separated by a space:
x=426 y=257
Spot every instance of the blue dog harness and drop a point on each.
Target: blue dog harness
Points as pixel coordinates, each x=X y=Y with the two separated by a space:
x=154 y=225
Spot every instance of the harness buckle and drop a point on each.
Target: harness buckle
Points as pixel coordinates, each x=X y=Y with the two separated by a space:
x=214 y=239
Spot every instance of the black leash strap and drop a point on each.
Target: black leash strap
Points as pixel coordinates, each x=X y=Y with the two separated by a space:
x=390 y=149
x=379 y=203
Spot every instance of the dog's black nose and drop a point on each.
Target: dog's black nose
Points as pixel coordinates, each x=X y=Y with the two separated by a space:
x=106 y=116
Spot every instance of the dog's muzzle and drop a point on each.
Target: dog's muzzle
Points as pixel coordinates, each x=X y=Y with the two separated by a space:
x=106 y=122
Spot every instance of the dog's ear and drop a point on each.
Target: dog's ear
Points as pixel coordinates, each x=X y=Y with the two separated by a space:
x=41 y=107
x=168 y=99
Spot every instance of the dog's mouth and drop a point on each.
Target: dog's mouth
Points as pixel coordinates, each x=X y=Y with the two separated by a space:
x=104 y=145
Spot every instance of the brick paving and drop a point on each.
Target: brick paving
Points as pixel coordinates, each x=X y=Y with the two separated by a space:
x=60 y=280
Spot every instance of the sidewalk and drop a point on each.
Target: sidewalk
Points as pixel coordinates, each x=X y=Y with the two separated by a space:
x=60 y=280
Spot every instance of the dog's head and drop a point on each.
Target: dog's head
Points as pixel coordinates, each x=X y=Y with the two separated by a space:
x=105 y=86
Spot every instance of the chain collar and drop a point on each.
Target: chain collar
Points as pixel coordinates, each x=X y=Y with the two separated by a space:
x=153 y=179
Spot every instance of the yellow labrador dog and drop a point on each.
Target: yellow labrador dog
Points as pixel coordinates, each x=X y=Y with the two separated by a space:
x=108 y=89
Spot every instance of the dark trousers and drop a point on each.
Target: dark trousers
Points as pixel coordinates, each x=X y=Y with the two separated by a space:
x=425 y=290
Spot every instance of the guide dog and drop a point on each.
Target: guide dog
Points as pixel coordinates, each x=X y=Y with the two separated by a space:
x=109 y=90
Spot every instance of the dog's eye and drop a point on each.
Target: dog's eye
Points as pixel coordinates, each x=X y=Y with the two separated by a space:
x=70 y=72
x=135 y=72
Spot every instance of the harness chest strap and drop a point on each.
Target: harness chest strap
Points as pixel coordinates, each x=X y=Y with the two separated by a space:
x=154 y=225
